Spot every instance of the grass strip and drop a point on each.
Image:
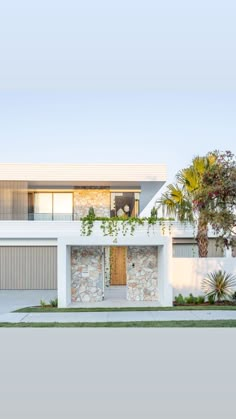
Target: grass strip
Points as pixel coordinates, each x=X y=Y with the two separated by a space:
x=140 y=324
x=109 y=309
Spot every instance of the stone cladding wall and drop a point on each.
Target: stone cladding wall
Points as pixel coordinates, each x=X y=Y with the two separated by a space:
x=142 y=273
x=99 y=199
x=87 y=274
x=107 y=266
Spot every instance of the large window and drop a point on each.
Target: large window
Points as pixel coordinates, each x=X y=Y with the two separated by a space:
x=53 y=206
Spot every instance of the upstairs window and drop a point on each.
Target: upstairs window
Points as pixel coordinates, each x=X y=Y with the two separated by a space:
x=53 y=206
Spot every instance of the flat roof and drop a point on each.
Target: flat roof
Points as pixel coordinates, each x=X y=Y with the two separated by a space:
x=83 y=172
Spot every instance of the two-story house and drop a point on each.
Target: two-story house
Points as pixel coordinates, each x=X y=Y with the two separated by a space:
x=42 y=243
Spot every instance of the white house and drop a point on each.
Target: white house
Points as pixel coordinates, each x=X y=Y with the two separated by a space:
x=45 y=245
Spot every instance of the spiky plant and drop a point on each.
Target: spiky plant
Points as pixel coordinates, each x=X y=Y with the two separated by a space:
x=219 y=285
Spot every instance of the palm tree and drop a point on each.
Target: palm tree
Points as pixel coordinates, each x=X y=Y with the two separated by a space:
x=181 y=198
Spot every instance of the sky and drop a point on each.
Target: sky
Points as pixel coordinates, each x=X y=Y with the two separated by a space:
x=117 y=82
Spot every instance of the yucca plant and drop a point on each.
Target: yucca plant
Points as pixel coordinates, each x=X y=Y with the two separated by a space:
x=219 y=285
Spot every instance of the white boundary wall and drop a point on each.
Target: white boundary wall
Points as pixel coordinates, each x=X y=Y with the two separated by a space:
x=187 y=273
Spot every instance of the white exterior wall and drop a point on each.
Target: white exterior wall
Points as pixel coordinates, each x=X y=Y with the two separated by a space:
x=63 y=273
x=187 y=273
x=148 y=197
x=28 y=242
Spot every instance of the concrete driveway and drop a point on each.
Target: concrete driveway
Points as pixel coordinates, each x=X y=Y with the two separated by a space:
x=12 y=300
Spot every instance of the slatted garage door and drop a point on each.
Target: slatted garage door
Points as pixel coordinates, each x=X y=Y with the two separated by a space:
x=28 y=267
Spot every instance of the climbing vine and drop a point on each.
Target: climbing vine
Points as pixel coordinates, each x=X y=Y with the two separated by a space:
x=114 y=225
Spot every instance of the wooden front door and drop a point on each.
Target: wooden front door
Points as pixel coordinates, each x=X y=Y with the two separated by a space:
x=118 y=265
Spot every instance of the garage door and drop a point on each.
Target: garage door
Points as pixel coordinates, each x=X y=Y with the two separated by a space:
x=28 y=267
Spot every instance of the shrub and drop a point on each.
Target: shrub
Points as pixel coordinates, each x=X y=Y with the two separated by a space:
x=54 y=303
x=154 y=213
x=219 y=285
x=43 y=303
x=191 y=299
x=201 y=299
x=91 y=213
x=179 y=299
x=211 y=299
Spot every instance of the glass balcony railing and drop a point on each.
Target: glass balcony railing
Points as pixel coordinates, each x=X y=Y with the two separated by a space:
x=51 y=217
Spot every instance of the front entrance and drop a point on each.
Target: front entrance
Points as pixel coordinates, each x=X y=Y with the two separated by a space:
x=118 y=256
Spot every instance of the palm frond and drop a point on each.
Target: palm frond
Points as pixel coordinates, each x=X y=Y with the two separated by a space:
x=175 y=203
x=180 y=198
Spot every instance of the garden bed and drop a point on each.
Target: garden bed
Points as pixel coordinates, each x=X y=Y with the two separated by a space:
x=207 y=304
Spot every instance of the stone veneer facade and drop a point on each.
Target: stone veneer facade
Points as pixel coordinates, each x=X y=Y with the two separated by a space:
x=107 y=266
x=86 y=274
x=99 y=199
x=142 y=273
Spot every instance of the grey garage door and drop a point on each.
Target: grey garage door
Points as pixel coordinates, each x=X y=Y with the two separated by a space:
x=28 y=267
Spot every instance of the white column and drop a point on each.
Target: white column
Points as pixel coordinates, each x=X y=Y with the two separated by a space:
x=228 y=252
x=63 y=274
x=165 y=272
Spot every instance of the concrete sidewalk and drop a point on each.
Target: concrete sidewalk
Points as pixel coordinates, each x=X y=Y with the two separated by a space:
x=124 y=316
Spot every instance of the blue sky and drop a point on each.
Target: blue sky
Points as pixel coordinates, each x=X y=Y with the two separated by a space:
x=130 y=81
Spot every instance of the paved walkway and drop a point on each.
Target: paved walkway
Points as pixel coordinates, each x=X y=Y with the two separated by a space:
x=11 y=300
x=97 y=317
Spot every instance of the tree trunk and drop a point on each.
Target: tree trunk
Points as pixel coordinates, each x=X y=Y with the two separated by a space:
x=202 y=237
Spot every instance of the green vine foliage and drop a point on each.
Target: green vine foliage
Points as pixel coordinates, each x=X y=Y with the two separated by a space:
x=114 y=225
